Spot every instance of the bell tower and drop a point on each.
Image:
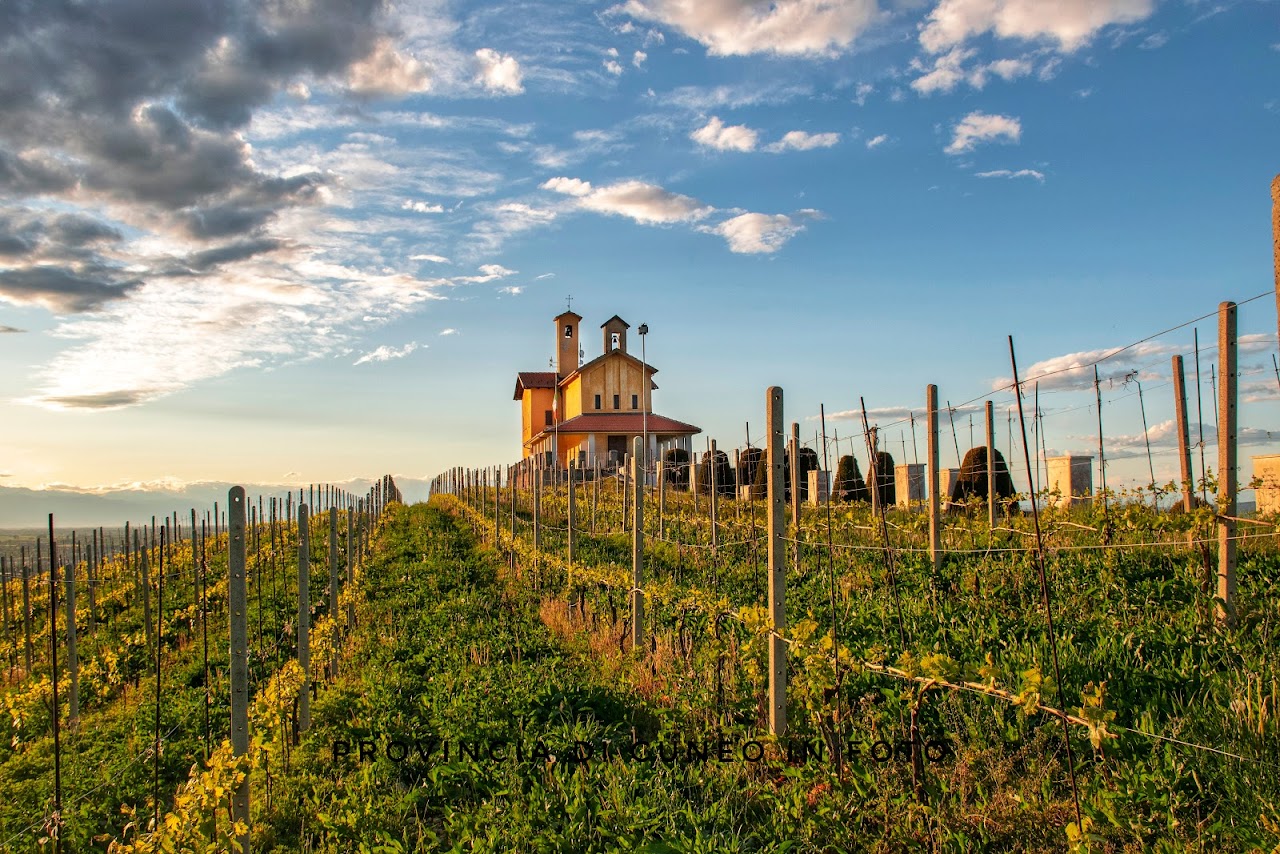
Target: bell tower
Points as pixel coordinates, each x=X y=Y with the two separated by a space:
x=615 y=334
x=567 y=343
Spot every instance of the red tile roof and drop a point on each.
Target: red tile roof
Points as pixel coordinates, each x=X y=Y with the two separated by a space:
x=534 y=379
x=624 y=422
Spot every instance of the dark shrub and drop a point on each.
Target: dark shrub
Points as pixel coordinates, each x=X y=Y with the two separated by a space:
x=675 y=468
x=972 y=481
x=724 y=474
x=849 y=483
x=883 y=473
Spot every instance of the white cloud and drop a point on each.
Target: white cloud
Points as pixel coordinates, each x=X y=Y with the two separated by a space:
x=638 y=58
x=1069 y=23
x=801 y=141
x=1009 y=173
x=613 y=67
x=1074 y=371
x=715 y=134
x=513 y=290
x=948 y=71
x=438 y=259
x=1010 y=69
x=705 y=98
x=499 y=72
x=877 y=140
x=653 y=205
x=490 y=272
x=1155 y=41
x=646 y=203
x=421 y=207
x=739 y=27
x=861 y=92
x=568 y=186
x=752 y=233
x=388 y=72
x=983 y=127
x=449 y=331
x=386 y=354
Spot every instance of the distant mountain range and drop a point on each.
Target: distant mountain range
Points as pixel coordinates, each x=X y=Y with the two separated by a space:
x=30 y=508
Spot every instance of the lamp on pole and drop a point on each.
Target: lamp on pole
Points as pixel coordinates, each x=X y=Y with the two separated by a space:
x=644 y=393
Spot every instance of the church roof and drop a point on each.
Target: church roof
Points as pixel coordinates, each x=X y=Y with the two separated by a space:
x=534 y=379
x=615 y=354
x=624 y=422
x=612 y=319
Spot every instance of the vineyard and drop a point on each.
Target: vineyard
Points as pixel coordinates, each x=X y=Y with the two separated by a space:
x=478 y=686
x=666 y=655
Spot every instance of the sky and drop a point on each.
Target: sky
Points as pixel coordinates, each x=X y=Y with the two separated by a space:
x=292 y=242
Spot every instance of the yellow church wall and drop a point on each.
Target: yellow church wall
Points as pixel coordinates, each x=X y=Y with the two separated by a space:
x=572 y=398
x=618 y=376
x=534 y=404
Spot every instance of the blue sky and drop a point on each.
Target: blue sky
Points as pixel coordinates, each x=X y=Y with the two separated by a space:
x=303 y=242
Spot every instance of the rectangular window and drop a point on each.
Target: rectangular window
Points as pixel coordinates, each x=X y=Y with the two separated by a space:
x=617 y=403
x=549 y=421
x=597 y=401
x=635 y=401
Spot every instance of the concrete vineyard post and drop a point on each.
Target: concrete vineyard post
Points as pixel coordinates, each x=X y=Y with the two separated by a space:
x=333 y=587
x=304 y=616
x=1184 y=433
x=91 y=569
x=662 y=499
x=991 y=464
x=693 y=477
x=6 y=573
x=1275 y=239
x=777 y=569
x=53 y=653
x=873 y=470
x=573 y=507
x=935 y=504
x=793 y=482
x=351 y=576
x=238 y=603
x=625 y=480
x=793 y=451
x=713 y=485
x=73 y=658
x=537 y=518
x=26 y=609
x=1227 y=480
x=637 y=546
x=146 y=588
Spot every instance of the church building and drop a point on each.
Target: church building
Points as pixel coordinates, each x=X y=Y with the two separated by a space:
x=592 y=412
